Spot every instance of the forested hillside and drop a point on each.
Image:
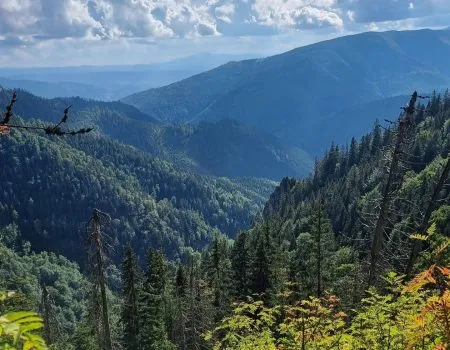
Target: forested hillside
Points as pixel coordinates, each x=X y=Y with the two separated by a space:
x=223 y=148
x=295 y=95
x=50 y=186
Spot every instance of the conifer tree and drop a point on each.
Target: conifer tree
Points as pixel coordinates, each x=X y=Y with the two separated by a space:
x=130 y=278
x=353 y=153
x=200 y=312
x=261 y=279
x=377 y=139
x=152 y=328
x=98 y=259
x=218 y=271
x=240 y=263
x=180 y=314
x=313 y=254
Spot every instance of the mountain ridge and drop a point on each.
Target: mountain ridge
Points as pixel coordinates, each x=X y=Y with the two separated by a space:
x=286 y=93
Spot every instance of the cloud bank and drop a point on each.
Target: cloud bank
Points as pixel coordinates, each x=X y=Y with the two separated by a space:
x=28 y=23
x=27 y=20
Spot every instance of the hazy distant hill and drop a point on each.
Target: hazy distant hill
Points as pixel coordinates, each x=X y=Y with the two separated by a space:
x=109 y=82
x=50 y=90
x=295 y=95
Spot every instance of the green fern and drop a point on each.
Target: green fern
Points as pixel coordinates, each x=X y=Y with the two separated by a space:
x=17 y=329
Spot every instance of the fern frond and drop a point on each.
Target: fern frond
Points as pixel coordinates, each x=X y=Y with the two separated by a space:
x=419 y=237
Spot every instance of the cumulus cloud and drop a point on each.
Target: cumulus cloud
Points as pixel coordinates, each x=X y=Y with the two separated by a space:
x=295 y=13
x=27 y=22
x=225 y=12
x=108 y=19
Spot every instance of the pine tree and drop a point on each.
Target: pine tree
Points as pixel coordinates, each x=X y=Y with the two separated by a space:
x=180 y=310
x=261 y=279
x=152 y=328
x=240 y=263
x=353 y=153
x=377 y=139
x=200 y=311
x=130 y=278
x=218 y=272
x=312 y=258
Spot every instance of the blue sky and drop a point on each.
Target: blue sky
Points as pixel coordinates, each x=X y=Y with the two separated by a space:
x=101 y=32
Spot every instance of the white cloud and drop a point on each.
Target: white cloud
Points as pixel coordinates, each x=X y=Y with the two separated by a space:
x=225 y=12
x=107 y=19
x=295 y=13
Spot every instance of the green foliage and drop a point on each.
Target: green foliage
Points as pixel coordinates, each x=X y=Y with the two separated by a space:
x=18 y=329
x=248 y=328
x=64 y=282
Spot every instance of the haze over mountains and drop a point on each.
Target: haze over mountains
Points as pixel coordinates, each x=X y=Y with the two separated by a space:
x=109 y=82
x=315 y=94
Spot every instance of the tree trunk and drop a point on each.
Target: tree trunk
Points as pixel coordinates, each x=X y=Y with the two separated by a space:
x=378 y=236
x=319 y=252
x=96 y=241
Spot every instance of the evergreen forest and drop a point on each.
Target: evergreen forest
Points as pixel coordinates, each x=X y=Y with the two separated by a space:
x=104 y=246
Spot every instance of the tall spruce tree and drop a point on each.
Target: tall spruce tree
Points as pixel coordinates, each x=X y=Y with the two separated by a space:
x=180 y=308
x=130 y=319
x=323 y=237
x=218 y=271
x=261 y=279
x=200 y=311
x=240 y=264
x=152 y=327
x=312 y=258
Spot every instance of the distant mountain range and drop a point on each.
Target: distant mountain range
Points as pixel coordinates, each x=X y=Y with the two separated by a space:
x=315 y=94
x=108 y=83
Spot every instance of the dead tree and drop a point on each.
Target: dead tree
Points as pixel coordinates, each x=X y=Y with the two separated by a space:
x=405 y=124
x=6 y=125
x=97 y=254
x=48 y=310
x=417 y=245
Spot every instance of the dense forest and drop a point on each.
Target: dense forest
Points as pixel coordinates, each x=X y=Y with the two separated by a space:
x=50 y=185
x=353 y=257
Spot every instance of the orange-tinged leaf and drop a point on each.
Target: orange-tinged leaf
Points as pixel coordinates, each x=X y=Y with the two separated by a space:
x=4 y=129
x=444 y=270
x=441 y=347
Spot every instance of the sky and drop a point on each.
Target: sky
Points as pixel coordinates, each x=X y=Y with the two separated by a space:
x=111 y=32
